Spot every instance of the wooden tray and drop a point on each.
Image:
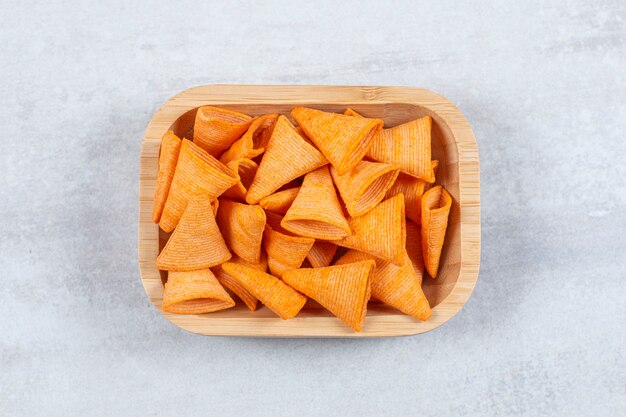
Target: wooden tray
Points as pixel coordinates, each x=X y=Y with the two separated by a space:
x=453 y=145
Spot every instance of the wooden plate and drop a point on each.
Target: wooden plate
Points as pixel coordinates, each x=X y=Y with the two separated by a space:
x=453 y=144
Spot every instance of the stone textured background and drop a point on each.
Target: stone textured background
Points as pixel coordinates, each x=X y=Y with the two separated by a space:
x=543 y=84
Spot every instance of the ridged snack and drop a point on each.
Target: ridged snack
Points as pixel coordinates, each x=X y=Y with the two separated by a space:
x=245 y=170
x=194 y=292
x=344 y=290
x=408 y=146
x=380 y=232
x=197 y=173
x=344 y=140
x=271 y=291
x=413 y=189
x=365 y=185
x=287 y=157
x=397 y=286
x=321 y=253
x=197 y=242
x=414 y=248
x=168 y=157
x=253 y=142
x=435 y=165
x=242 y=227
x=316 y=211
x=235 y=286
x=215 y=129
x=436 y=204
x=284 y=251
x=280 y=201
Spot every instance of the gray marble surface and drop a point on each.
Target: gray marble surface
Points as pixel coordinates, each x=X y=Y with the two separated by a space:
x=542 y=83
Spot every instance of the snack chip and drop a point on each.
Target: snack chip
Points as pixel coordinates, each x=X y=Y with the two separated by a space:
x=280 y=201
x=380 y=232
x=435 y=164
x=245 y=169
x=215 y=129
x=408 y=146
x=344 y=290
x=234 y=286
x=316 y=211
x=271 y=291
x=321 y=253
x=436 y=204
x=414 y=248
x=194 y=292
x=284 y=251
x=197 y=173
x=242 y=227
x=365 y=186
x=413 y=189
x=170 y=148
x=287 y=157
x=253 y=142
x=397 y=286
x=344 y=140
x=196 y=243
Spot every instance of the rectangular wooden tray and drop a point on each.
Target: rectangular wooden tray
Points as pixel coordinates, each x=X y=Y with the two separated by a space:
x=453 y=144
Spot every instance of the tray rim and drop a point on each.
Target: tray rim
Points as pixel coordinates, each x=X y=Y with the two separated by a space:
x=377 y=326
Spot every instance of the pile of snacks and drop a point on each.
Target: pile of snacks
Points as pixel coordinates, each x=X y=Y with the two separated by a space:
x=337 y=209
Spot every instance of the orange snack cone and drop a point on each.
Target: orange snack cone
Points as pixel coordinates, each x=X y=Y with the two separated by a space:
x=413 y=189
x=284 y=251
x=414 y=248
x=215 y=129
x=321 y=254
x=287 y=157
x=380 y=232
x=253 y=142
x=406 y=145
x=435 y=164
x=170 y=148
x=280 y=201
x=344 y=140
x=245 y=169
x=344 y=290
x=316 y=211
x=194 y=292
x=436 y=204
x=397 y=286
x=242 y=227
x=365 y=186
x=196 y=243
x=275 y=294
x=235 y=286
x=197 y=173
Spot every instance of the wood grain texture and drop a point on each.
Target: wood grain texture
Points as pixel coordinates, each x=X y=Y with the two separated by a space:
x=453 y=144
